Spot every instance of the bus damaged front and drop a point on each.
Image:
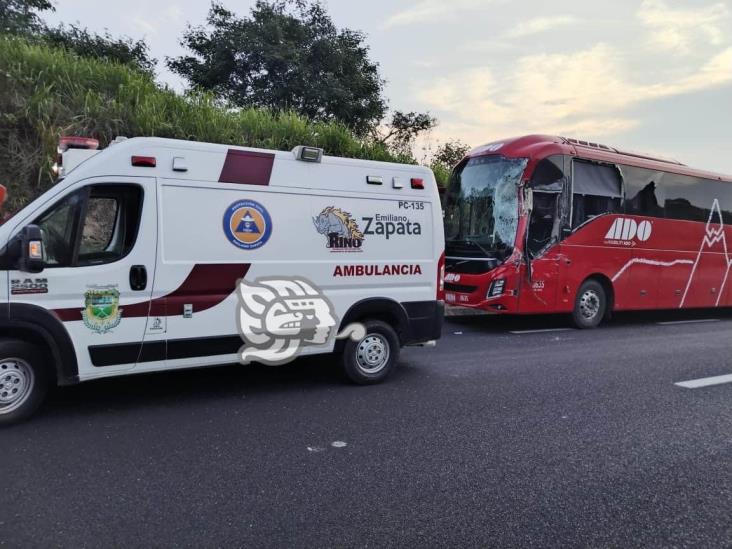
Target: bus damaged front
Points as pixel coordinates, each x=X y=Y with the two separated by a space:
x=495 y=229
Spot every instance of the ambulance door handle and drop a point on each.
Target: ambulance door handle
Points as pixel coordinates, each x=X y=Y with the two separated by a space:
x=138 y=277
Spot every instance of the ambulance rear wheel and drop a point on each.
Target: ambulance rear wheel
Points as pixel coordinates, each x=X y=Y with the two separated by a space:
x=370 y=359
x=23 y=380
x=590 y=305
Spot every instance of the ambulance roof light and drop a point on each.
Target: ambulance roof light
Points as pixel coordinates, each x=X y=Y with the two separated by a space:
x=144 y=161
x=308 y=154
x=67 y=142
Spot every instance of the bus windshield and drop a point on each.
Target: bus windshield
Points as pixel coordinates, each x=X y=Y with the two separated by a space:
x=481 y=210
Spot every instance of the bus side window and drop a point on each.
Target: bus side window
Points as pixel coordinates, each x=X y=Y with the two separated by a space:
x=596 y=191
x=691 y=198
x=548 y=175
x=643 y=192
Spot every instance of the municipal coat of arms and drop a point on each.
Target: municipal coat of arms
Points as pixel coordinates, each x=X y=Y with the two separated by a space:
x=101 y=312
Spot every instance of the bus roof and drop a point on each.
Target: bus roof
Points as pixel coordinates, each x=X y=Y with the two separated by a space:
x=536 y=147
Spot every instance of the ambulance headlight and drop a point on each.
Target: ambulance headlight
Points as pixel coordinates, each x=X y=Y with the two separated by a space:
x=496 y=287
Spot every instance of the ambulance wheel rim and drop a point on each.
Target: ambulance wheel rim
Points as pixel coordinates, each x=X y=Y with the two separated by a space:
x=372 y=353
x=16 y=384
x=589 y=304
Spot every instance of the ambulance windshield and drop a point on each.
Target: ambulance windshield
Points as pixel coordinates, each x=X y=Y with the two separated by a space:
x=481 y=209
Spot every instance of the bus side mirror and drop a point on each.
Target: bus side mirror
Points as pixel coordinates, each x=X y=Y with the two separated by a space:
x=31 y=250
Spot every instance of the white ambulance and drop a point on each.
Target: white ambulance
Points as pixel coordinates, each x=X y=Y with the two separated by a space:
x=157 y=254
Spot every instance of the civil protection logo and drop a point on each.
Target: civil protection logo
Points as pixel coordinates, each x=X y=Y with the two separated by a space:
x=247 y=224
x=101 y=312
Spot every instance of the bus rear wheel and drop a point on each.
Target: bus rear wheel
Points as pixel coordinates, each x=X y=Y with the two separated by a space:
x=590 y=305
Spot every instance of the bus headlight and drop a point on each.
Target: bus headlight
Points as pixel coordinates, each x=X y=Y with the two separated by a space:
x=496 y=287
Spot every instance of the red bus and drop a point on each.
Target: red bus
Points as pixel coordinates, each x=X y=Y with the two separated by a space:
x=542 y=224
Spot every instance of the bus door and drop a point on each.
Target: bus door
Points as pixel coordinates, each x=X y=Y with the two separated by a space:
x=549 y=188
x=542 y=250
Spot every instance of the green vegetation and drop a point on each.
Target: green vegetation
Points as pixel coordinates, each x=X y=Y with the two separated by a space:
x=101 y=46
x=319 y=88
x=46 y=92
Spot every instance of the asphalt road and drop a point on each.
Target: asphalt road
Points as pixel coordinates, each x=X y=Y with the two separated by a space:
x=543 y=439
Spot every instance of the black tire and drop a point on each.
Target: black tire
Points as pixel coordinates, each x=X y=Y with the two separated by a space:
x=24 y=380
x=379 y=346
x=590 y=305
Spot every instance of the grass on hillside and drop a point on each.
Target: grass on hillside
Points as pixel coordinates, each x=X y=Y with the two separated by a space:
x=46 y=93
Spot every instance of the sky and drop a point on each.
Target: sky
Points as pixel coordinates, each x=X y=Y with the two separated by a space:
x=644 y=75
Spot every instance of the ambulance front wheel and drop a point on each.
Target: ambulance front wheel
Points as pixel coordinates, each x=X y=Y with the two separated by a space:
x=370 y=359
x=23 y=380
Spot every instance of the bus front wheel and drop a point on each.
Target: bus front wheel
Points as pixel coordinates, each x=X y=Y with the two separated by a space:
x=590 y=305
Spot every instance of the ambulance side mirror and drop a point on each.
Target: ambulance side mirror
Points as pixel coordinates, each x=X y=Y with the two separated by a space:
x=31 y=250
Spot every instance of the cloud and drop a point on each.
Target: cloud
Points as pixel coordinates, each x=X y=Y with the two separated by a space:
x=428 y=11
x=153 y=23
x=507 y=40
x=716 y=72
x=146 y=24
x=680 y=29
x=540 y=24
x=586 y=93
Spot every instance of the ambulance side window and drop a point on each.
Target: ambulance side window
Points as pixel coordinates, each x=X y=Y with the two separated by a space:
x=93 y=226
x=111 y=221
x=58 y=227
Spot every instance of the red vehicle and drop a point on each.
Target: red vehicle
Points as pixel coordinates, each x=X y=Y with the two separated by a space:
x=542 y=224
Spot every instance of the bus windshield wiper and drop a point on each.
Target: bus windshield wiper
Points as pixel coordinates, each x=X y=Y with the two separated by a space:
x=481 y=248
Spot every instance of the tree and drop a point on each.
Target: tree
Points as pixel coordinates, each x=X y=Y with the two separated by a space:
x=403 y=128
x=445 y=158
x=21 y=16
x=87 y=44
x=450 y=153
x=288 y=54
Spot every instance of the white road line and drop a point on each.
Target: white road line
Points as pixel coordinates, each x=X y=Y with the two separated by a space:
x=544 y=330
x=705 y=382
x=671 y=322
